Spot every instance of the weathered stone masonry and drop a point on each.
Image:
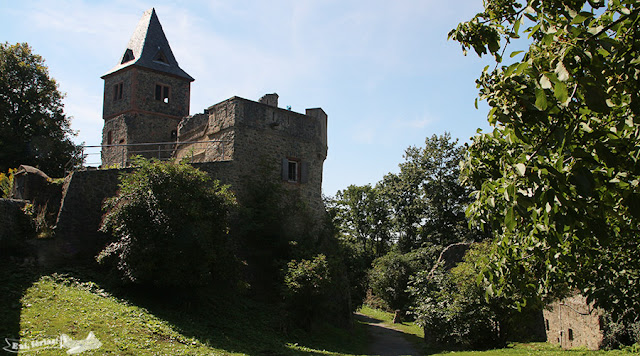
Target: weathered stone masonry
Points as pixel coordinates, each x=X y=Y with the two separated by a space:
x=146 y=101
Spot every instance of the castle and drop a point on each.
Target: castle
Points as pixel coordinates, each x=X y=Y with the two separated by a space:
x=146 y=105
x=145 y=112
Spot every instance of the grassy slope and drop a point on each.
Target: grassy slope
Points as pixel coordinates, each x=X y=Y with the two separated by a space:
x=45 y=306
x=37 y=306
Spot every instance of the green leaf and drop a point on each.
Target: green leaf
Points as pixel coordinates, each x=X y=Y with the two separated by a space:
x=534 y=29
x=515 y=53
x=509 y=219
x=521 y=169
x=561 y=93
x=541 y=100
x=581 y=17
x=516 y=27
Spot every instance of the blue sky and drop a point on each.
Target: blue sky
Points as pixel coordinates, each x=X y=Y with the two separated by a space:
x=382 y=70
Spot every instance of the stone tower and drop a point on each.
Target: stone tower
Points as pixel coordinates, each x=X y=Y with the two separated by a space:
x=145 y=97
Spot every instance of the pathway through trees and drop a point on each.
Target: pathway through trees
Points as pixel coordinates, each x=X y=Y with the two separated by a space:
x=386 y=341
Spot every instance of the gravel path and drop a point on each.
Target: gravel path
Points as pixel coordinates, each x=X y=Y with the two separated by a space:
x=386 y=341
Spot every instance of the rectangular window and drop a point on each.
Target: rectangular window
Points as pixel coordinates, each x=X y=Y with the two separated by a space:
x=163 y=92
x=109 y=137
x=292 y=175
x=117 y=91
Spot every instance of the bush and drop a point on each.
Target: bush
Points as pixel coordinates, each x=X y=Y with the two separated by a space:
x=6 y=183
x=170 y=226
x=390 y=274
x=619 y=332
x=455 y=309
x=306 y=283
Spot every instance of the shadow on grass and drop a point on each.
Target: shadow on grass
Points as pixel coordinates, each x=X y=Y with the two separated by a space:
x=15 y=279
x=222 y=319
x=216 y=317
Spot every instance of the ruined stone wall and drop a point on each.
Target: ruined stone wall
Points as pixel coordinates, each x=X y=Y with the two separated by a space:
x=15 y=227
x=77 y=236
x=573 y=323
x=273 y=136
x=215 y=124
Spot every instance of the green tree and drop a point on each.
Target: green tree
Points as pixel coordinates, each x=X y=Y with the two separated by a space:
x=426 y=197
x=170 y=226
x=33 y=127
x=362 y=216
x=557 y=178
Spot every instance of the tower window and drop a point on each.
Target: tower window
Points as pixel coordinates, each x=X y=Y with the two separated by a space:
x=163 y=92
x=160 y=57
x=109 y=137
x=117 y=91
x=292 y=171
x=570 y=334
x=128 y=56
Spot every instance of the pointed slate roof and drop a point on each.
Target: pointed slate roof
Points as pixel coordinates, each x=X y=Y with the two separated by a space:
x=149 y=48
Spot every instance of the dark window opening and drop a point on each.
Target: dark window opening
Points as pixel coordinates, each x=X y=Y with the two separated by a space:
x=546 y=322
x=174 y=135
x=160 y=57
x=128 y=56
x=292 y=175
x=117 y=91
x=163 y=93
x=570 y=334
x=109 y=137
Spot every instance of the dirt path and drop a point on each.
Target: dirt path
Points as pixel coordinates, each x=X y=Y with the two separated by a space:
x=386 y=341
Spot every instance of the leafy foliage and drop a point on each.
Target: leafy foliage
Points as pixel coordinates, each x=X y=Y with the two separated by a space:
x=426 y=198
x=33 y=127
x=6 y=183
x=170 y=224
x=557 y=179
x=390 y=274
x=455 y=309
x=363 y=217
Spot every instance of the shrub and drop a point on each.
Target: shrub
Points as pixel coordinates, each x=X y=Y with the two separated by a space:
x=170 y=226
x=390 y=274
x=306 y=283
x=6 y=183
x=456 y=310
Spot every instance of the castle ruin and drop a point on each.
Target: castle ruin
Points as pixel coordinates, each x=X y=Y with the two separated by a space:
x=146 y=107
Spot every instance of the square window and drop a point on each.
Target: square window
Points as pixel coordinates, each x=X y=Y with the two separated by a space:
x=163 y=92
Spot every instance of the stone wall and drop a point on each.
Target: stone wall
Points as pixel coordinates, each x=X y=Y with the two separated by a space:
x=262 y=139
x=77 y=236
x=15 y=228
x=138 y=95
x=573 y=323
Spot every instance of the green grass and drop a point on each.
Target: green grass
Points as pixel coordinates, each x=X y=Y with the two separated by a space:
x=44 y=306
x=37 y=305
x=409 y=328
x=536 y=349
